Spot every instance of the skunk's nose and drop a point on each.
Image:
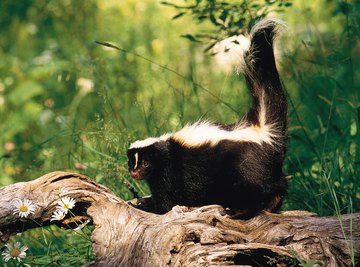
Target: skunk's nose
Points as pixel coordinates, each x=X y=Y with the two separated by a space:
x=135 y=174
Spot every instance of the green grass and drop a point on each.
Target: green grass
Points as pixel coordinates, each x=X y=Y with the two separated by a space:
x=52 y=246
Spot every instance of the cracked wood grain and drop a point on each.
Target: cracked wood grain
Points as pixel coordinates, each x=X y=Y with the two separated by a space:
x=205 y=236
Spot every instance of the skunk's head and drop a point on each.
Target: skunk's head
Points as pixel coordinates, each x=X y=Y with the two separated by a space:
x=145 y=162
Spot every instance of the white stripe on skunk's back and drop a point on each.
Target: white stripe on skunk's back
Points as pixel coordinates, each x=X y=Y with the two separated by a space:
x=206 y=133
x=202 y=133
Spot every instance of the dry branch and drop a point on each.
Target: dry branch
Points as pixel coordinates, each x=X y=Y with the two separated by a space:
x=206 y=236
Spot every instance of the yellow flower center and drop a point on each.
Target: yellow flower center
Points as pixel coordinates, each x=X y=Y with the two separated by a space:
x=66 y=206
x=15 y=252
x=23 y=208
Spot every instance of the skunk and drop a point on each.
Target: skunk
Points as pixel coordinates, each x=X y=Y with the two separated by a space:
x=238 y=166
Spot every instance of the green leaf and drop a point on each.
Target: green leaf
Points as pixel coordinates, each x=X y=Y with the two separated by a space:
x=213 y=19
x=210 y=47
x=190 y=37
x=178 y=15
x=202 y=17
x=167 y=4
x=223 y=15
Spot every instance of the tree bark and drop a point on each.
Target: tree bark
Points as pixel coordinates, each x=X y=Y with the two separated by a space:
x=205 y=236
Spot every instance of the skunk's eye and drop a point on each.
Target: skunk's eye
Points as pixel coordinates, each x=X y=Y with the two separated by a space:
x=145 y=163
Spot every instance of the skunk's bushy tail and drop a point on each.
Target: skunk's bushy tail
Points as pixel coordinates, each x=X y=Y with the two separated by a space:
x=269 y=101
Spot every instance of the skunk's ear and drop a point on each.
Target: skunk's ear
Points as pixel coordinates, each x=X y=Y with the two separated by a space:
x=160 y=149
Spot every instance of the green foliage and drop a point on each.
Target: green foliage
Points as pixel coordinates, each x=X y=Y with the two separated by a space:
x=227 y=18
x=51 y=246
x=69 y=103
x=324 y=123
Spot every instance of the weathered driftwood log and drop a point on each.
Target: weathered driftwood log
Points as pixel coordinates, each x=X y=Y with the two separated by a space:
x=206 y=236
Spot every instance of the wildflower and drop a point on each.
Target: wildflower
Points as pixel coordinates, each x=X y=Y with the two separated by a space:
x=65 y=204
x=60 y=191
x=49 y=102
x=58 y=215
x=80 y=166
x=9 y=146
x=24 y=208
x=85 y=85
x=15 y=252
x=81 y=226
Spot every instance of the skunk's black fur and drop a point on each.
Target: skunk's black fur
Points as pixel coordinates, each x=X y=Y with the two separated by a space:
x=238 y=166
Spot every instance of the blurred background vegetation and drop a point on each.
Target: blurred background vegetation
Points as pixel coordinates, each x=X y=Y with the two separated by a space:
x=68 y=103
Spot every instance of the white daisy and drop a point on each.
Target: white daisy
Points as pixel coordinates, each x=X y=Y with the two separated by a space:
x=24 y=208
x=15 y=252
x=65 y=204
x=58 y=215
x=60 y=191
x=81 y=226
